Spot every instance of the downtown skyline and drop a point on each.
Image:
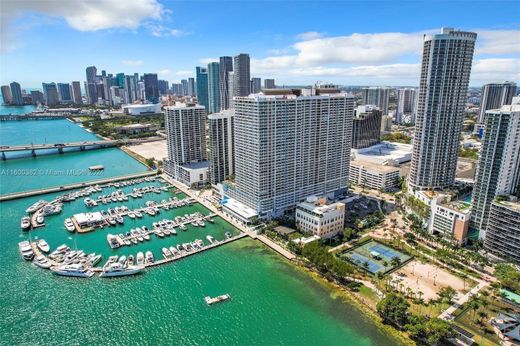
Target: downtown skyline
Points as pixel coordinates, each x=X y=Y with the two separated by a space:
x=300 y=52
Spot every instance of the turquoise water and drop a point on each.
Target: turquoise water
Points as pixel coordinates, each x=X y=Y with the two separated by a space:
x=51 y=169
x=272 y=301
x=16 y=110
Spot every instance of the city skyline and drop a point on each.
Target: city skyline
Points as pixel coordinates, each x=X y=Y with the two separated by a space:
x=356 y=52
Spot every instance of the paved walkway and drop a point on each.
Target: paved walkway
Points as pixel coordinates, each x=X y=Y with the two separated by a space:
x=448 y=313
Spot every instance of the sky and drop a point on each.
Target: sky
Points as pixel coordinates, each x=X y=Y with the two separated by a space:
x=295 y=42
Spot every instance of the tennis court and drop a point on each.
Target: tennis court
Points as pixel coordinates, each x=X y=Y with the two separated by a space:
x=374 y=257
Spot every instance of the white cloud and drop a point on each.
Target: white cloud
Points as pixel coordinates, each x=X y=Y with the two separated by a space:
x=132 y=62
x=159 y=30
x=311 y=35
x=498 y=41
x=495 y=69
x=184 y=73
x=205 y=61
x=82 y=15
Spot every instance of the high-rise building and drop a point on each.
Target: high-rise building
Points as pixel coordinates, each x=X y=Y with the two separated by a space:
x=131 y=91
x=225 y=66
x=6 y=94
x=293 y=147
x=503 y=230
x=120 y=77
x=105 y=81
x=91 y=74
x=494 y=96
x=201 y=74
x=378 y=96
x=256 y=85
x=16 y=92
x=446 y=67
x=50 y=94
x=498 y=170
x=37 y=97
x=231 y=83
x=269 y=84
x=366 y=126
x=177 y=89
x=186 y=141
x=241 y=75
x=164 y=87
x=64 y=93
x=221 y=144
x=151 y=87
x=184 y=83
x=191 y=87
x=406 y=105
x=76 y=93
x=213 y=87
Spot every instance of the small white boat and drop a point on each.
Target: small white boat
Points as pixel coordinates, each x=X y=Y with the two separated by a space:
x=26 y=250
x=122 y=259
x=43 y=246
x=211 y=301
x=25 y=223
x=210 y=239
x=201 y=223
x=130 y=261
x=36 y=206
x=149 y=257
x=131 y=215
x=183 y=227
x=166 y=253
x=138 y=214
x=69 y=225
x=42 y=262
x=173 y=250
x=140 y=258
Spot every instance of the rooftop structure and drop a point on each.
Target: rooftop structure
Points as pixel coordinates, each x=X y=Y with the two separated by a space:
x=385 y=153
x=373 y=175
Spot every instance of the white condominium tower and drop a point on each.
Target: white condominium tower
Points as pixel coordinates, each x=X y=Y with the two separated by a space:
x=221 y=144
x=498 y=171
x=378 y=96
x=288 y=147
x=186 y=136
x=445 y=71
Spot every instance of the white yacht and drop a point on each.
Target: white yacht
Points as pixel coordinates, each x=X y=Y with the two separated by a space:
x=26 y=250
x=43 y=246
x=149 y=257
x=42 y=262
x=36 y=206
x=76 y=270
x=25 y=223
x=69 y=225
x=117 y=269
x=140 y=258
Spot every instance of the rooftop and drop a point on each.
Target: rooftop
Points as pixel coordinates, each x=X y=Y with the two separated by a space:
x=385 y=153
x=374 y=166
x=196 y=165
x=239 y=208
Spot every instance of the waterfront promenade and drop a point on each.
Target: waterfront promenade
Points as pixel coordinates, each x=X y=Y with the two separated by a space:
x=279 y=249
x=17 y=195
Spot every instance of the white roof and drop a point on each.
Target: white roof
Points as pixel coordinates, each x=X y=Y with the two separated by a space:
x=88 y=217
x=239 y=208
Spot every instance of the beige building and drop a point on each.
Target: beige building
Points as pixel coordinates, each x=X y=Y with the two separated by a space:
x=373 y=175
x=451 y=220
x=320 y=219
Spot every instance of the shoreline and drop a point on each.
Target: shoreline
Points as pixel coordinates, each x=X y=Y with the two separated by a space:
x=350 y=298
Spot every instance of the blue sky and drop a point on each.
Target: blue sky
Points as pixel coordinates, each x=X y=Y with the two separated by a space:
x=296 y=42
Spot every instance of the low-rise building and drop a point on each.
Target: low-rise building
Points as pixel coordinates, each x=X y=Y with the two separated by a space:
x=322 y=220
x=89 y=219
x=149 y=108
x=374 y=176
x=195 y=173
x=450 y=219
x=135 y=129
x=503 y=230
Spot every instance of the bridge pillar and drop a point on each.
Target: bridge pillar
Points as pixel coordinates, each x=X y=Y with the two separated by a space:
x=33 y=153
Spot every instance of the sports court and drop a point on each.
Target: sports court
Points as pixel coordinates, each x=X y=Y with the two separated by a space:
x=378 y=257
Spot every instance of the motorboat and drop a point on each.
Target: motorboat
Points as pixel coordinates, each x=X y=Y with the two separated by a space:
x=26 y=250
x=145 y=234
x=228 y=235
x=25 y=223
x=173 y=250
x=138 y=214
x=130 y=261
x=183 y=227
x=75 y=270
x=69 y=225
x=199 y=242
x=131 y=215
x=120 y=220
x=111 y=221
x=149 y=257
x=166 y=231
x=159 y=233
x=166 y=253
x=122 y=259
x=140 y=258
x=194 y=223
x=33 y=208
x=43 y=246
x=201 y=223
x=112 y=241
x=42 y=262
x=117 y=269
x=210 y=239
x=94 y=260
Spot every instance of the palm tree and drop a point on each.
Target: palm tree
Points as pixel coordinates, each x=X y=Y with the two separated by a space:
x=396 y=261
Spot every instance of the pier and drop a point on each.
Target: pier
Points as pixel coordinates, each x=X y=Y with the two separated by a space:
x=39 y=116
x=60 y=147
x=17 y=195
